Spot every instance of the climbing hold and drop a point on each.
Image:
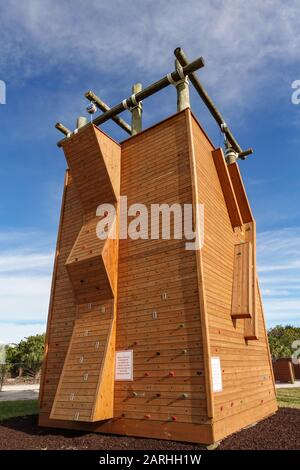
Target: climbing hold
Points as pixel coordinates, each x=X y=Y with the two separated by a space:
x=158 y=395
x=181 y=325
x=184 y=351
x=135 y=394
x=147 y=416
x=146 y=374
x=158 y=353
x=171 y=373
x=173 y=418
x=184 y=395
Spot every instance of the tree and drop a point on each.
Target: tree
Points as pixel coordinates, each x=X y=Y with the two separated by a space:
x=27 y=356
x=3 y=370
x=281 y=339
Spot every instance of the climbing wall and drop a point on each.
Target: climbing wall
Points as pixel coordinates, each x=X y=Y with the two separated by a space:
x=85 y=388
x=189 y=323
x=240 y=343
x=158 y=297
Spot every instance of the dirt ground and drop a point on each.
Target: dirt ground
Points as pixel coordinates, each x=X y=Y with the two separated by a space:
x=280 y=431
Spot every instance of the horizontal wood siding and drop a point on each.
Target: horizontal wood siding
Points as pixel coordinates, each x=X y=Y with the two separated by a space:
x=246 y=371
x=242 y=289
x=62 y=309
x=169 y=377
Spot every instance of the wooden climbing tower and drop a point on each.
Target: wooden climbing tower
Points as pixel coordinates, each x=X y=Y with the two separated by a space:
x=144 y=337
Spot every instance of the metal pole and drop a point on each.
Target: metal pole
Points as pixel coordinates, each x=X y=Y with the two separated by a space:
x=91 y=96
x=136 y=112
x=183 y=95
x=183 y=60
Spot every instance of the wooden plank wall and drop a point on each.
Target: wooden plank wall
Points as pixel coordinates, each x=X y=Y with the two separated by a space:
x=248 y=388
x=62 y=309
x=86 y=389
x=168 y=354
x=242 y=289
x=160 y=304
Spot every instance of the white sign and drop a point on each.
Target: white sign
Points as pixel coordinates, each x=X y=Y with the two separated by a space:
x=216 y=374
x=124 y=365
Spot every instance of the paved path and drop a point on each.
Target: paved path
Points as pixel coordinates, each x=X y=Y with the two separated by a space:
x=19 y=392
x=294 y=385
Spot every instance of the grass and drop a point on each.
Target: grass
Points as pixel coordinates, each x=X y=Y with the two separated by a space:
x=12 y=409
x=288 y=397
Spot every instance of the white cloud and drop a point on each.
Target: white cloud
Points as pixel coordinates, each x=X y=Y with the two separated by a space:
x=25 y=279
x=24 y=298
x=278 y=263
x=10 y=262
x=238 y=39
x=13 y=333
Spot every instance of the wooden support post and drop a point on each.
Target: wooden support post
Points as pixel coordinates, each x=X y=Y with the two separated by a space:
x=136 y=112
x=133 y=100
x=60 y=127
x=81 y=121
x=183 y=95
x=183 y=60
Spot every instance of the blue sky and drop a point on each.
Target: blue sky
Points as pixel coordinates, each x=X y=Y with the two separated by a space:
x=54 y=51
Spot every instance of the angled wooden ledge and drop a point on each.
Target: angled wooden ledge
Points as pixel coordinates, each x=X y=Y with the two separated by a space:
x=227 y=187
x=242 y=289
x=85 y=391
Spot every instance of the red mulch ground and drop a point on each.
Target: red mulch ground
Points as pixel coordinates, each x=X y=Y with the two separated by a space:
x=280 y=431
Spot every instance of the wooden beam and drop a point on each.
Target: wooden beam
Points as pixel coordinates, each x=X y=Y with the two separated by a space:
x=136 y=112
x=183 y=96
x=251 y=324
x=128 y=103
x=60 y=127
x=81 y=121
x=242 y=288
x=183 y=60
x=228 y=189
x=240 y=193
x=91 y=96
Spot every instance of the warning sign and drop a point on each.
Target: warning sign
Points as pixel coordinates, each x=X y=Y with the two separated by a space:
x=216 y=374
x=124 y=365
